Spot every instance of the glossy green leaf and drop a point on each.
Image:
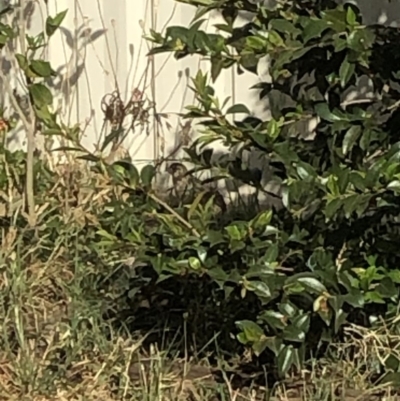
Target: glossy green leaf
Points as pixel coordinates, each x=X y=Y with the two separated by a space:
x=346 y=72
x=284 y=26
x=340 y=320
x=323 y=111
x=177 y=33
x=294 y=334
x=259 y=288
x=251 y=330
x=273 y=129
x=304 y=170
x=365 y=139
x=336 y=18
x=288 y=309
x=355 y=299
x=217 y=65
x=53 y=23
x=260 y=346
x=41 y=95
x=394 y=186
x=218 y=275
x=358 y=181
x=350 y=139
x=41 y=68
x=194 y=263
x=271 y=253
x=238 y=108
x=129 y=171
x=310 y=283
x=256 y=42
x=22 y=61
x=249 y=62
x=274 y=319
x=147 y=174
x=285 y=359
x=351 y=17
x=112 y=137
x=314 y=28
x=234 y=232
x=350 y=205
x=302 y=322
x=361 y=39
x=262 y=220
x=274 y=344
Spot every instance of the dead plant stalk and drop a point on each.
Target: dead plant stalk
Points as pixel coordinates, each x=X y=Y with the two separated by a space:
x=28 y=121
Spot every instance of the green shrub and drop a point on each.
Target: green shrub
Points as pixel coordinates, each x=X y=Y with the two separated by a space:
x=282 y=279
x=329 y=256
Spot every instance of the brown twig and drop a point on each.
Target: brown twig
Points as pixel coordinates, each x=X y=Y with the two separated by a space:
x=346 y=103
x=175 y=214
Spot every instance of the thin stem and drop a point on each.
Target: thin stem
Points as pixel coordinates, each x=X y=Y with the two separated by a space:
x=176 y=215
x=30 y=133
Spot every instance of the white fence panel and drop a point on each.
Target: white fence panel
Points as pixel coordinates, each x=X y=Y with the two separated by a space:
x=101 y=48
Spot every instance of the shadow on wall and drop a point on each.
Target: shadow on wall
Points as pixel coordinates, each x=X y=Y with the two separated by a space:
x=71 y=53
x=385 y=12
x=67 y=75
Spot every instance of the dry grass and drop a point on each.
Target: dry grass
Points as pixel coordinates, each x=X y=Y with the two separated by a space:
x=56 y=345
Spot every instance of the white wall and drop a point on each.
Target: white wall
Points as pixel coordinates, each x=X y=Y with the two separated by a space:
x=101 y=47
